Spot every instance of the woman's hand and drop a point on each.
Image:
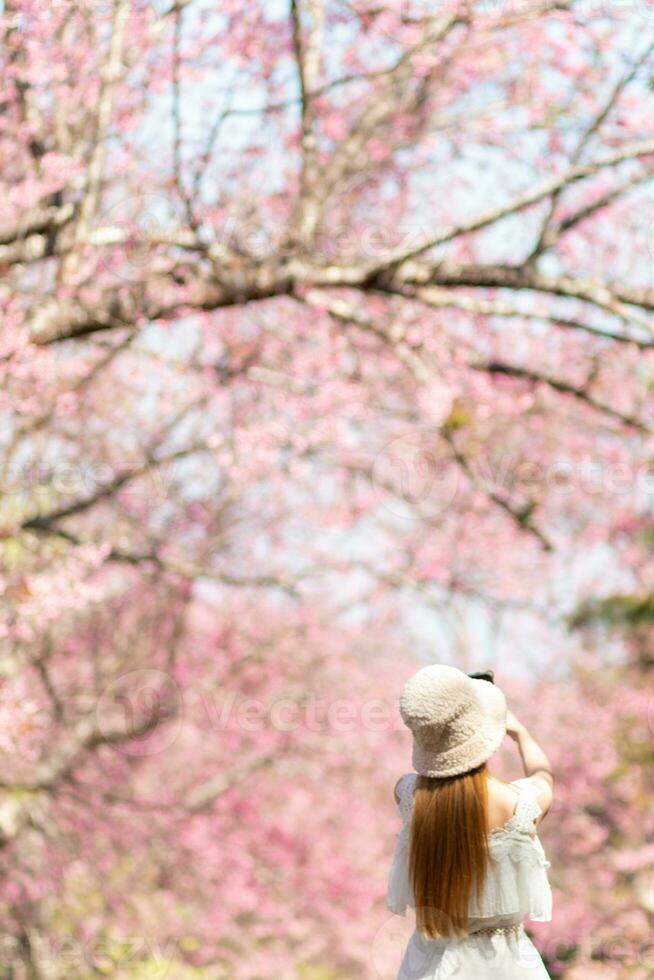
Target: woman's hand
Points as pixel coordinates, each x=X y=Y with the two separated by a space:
x=514 y=728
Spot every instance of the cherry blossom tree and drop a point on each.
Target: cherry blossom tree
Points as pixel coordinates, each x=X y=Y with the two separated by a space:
x=327 y=338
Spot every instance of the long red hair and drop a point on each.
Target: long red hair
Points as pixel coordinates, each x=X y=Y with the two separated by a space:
x=448 y=854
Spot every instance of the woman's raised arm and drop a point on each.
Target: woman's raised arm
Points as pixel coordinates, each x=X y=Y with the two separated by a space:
x=534 y=760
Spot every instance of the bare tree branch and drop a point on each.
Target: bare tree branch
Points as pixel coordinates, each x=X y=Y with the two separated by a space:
x=442 y=299
x=614 y=298
x=548 y=235
x=111 y=73
x=523 y=517
x=521 y=201
x=307 y=56
x=47 y=523
x=557 y=384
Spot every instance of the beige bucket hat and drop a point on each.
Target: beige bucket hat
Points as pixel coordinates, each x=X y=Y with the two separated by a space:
x=457 y=721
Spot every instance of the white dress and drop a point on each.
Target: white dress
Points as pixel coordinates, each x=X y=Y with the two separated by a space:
x=516 y=886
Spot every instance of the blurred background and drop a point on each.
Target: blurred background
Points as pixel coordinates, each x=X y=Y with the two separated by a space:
x=326 y=352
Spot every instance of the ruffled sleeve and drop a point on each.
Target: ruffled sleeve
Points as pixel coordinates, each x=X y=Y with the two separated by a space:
x=517 y=883
x=399 y=894
x=527 y=810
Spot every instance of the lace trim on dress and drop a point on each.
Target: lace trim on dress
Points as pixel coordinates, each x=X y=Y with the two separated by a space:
x=526 y=813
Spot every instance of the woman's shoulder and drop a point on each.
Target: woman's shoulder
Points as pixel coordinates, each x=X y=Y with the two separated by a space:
x=512 y=804
x=404 y=787
x=502 y=801
x=502 y=793
x=518 y=804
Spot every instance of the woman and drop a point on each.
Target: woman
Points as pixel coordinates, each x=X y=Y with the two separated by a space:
x=468 y=857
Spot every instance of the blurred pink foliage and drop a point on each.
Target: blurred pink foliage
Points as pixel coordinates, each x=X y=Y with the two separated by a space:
x=326 y=349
